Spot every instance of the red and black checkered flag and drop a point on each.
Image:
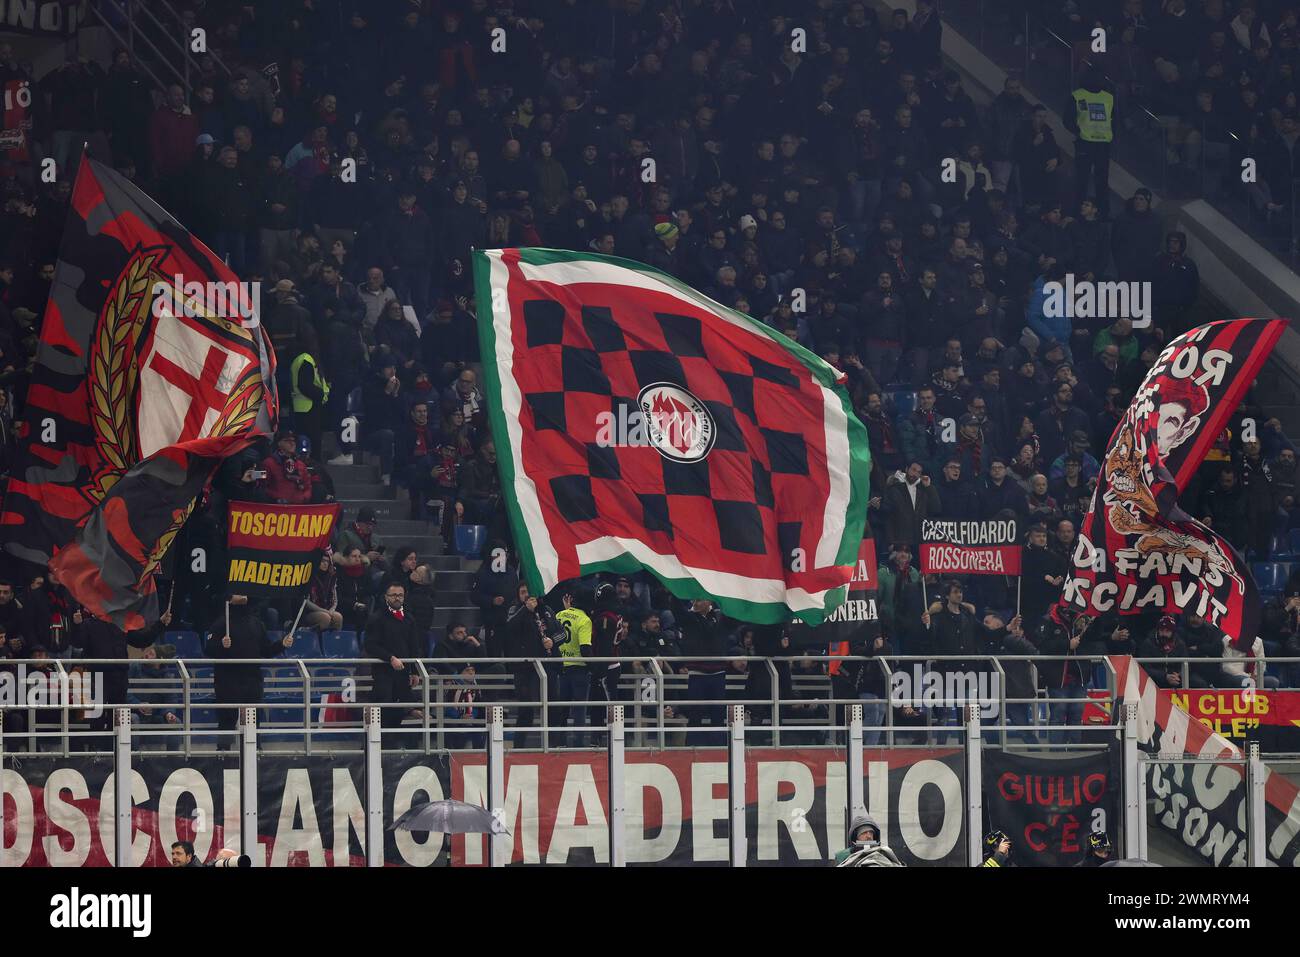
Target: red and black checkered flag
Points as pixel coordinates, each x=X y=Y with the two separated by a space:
x=640 y=425
x=152 y=368
x=1138 y=552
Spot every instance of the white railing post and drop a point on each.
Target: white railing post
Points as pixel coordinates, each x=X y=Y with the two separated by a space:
x=121 y=787
x=500 y=844
x=1134 y=809
x=248 y=786
x=374 y=784
x=857 y=802
x=736 y=783
x=617 y=789
x=974 y=784
x=1256 y=849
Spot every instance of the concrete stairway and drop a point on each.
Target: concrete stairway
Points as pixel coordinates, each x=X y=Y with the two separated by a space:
x=359 y=486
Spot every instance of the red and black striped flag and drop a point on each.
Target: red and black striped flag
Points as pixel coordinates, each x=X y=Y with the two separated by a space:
x=640 y=425
x=1138 y=552
x=152 y=368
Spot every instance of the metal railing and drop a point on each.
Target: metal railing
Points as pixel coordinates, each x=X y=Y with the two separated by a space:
x=136 y=17
x=307 y=702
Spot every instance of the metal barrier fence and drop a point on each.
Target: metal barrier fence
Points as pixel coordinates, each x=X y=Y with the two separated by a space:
x=372 y=810
x=306 y=700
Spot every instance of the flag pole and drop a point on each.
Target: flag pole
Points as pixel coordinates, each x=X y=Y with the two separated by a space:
x=294 y=626
x=170 y=596
x=1019 y=581
x=227 y=617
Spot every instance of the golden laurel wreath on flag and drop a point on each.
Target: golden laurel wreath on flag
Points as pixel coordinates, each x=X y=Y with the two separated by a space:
x=113 y=376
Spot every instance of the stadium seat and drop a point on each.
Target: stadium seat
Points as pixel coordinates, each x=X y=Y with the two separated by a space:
x=189 y=644
x=340 y=644
x=1292 y=544
x=306 y=644
x=903 y=401
x=1265 y=575
x=470 y=540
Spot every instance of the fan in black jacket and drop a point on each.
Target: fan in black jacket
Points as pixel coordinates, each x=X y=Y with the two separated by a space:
x=524 y=636
x=246 y=638
x=1164 y=644
x=1072 y=637
x=395 y=639
x=1041 y=577
x=997 y=639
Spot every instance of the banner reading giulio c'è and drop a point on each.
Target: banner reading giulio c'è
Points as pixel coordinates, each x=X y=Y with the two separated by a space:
x=274 y=548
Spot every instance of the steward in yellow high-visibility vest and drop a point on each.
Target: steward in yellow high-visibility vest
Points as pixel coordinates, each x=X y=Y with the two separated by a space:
x=1090 y=116
x=317 y=391
x=309 y=394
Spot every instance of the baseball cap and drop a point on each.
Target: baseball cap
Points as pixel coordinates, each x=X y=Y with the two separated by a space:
x=747 y=220
x=204 y=139
x=366 y=515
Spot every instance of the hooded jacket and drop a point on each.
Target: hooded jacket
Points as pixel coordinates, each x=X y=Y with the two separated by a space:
x=869 y=853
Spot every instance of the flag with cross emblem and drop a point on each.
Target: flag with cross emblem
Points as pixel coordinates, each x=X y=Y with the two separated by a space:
x=152 y=368
x=641 y=425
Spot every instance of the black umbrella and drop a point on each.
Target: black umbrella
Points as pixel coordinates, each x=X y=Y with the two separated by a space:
x=448 y=817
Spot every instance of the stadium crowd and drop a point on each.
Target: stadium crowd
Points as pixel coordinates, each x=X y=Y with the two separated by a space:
x=803 y=187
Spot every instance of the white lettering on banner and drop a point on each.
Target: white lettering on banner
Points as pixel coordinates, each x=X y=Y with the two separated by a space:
x=297 y=802
x=968 y=533
x=185 y=781
x=945 y=559
x=14 y=788
x=349 y=818
x=638 y=778
x=417 y=780
x=108 y=820
x=855 y=609
x=937 y=774
x=773 y=812
x=66 y=816
x=1106 y=596
x=659 y=799
x=519 y=815
x=580 y=794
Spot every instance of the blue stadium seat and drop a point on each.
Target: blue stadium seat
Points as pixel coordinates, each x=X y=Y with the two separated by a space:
x=306 y=644
x=340 y=644
x=1265 y=575
x=282 y=684
x=903 y=401
x=470 y=540
x=189 y=644
x=283 y=717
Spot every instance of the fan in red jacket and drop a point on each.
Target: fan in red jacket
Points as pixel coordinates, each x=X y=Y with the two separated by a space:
x=287 y=480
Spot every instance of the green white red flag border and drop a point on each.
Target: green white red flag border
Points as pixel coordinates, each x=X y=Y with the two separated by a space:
x=766 y=600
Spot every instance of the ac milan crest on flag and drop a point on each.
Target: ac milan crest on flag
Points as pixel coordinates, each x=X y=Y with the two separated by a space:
x=137 y=396
x=1138 y=552
x=640 y=425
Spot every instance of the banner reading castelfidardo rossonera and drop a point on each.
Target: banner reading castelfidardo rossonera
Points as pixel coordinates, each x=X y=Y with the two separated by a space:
x=273 y=549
